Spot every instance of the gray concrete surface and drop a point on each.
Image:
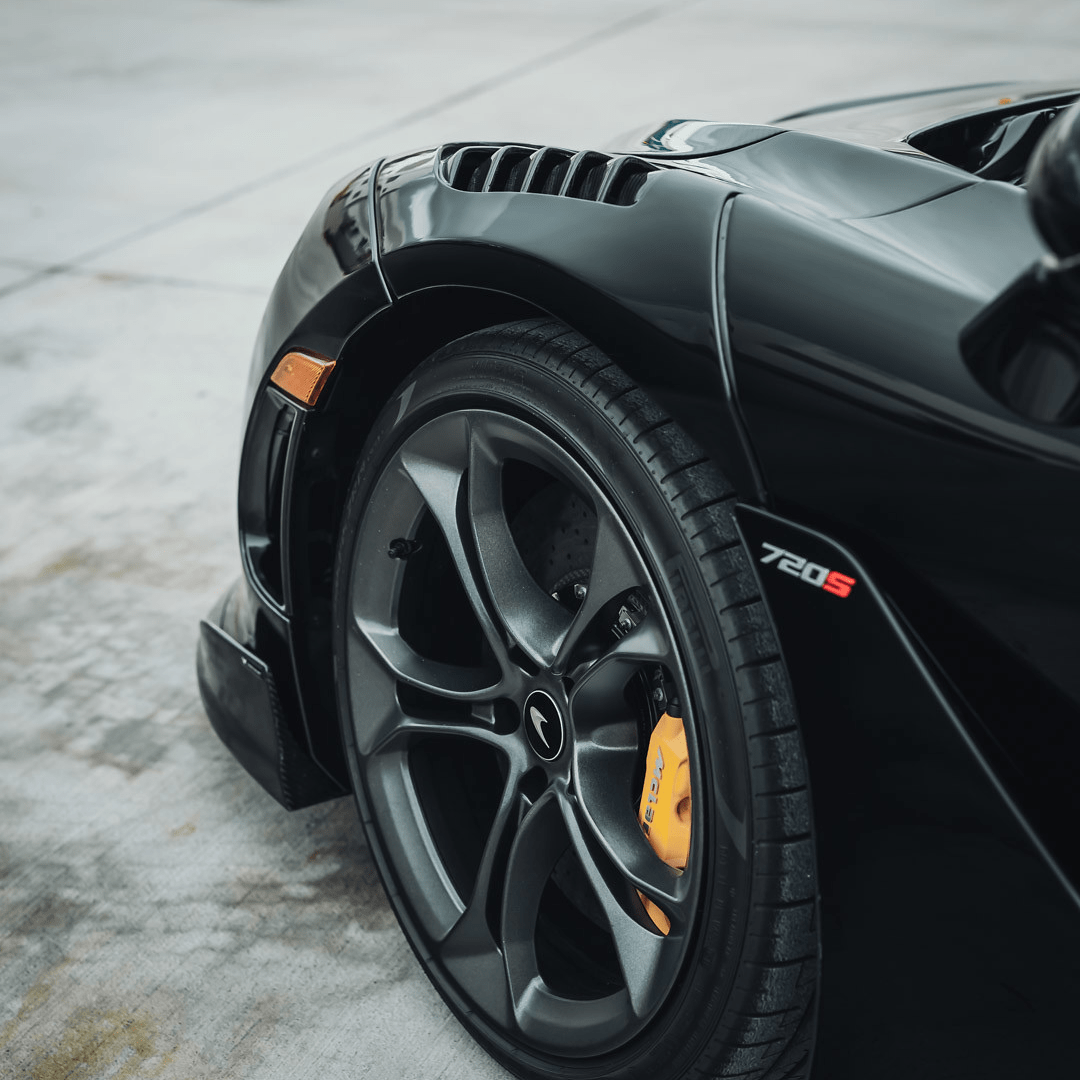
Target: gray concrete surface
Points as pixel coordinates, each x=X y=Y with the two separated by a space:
x=159 y=915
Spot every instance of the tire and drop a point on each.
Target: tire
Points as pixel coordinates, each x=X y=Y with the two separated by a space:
x=524 y=519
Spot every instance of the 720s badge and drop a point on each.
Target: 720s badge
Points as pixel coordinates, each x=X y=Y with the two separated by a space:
x=832 y=581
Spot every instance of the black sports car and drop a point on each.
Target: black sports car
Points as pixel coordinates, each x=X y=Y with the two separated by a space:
x=673 y=550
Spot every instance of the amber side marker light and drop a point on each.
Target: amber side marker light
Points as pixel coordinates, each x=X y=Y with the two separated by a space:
x=302 y=376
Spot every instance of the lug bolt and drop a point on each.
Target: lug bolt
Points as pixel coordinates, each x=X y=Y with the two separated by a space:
x=626 y=620
x=580 y=591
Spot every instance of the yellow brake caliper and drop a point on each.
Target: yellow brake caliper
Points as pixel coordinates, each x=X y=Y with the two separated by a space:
x=665 y=802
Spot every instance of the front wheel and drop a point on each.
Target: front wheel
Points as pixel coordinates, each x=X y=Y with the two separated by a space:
x=570 y=731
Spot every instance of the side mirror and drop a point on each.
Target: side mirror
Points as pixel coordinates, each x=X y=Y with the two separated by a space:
x=1024 y=347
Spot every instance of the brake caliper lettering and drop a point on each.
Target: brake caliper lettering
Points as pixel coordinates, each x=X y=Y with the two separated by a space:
x=664 y=811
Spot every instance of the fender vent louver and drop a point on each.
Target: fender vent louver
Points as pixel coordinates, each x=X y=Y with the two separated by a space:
x=630 y=179
x=546 y=171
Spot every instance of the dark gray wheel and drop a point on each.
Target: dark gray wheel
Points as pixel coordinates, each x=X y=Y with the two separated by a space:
x=542 y=595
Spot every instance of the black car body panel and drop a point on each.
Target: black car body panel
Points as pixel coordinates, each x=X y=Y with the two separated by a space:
x=889 y=123
x=950 y=945
x=795 y=298
x=969 y=483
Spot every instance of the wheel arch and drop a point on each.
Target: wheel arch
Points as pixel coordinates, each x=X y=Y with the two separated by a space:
x=382 y=350
x=402 y=336
x=646 y=294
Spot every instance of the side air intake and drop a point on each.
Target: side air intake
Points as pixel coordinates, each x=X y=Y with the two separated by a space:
x=546 y=171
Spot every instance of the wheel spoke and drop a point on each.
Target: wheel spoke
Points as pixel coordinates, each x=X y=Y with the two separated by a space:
x=469 y=951
x=605 y=757
x=537 y=847
x=604 y=679
x=382 y=725
x=647 y=958
x=536 y=622
x=444 y=680
x=616 y=569
x=603 y=777
x=436 y=459
x=397 y=728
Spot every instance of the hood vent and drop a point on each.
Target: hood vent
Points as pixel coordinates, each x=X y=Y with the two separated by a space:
x=547 y=171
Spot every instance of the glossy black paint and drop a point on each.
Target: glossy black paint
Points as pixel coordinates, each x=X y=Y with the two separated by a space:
x=315 y=303
x=949 y=941
x=237 y=657
x=889 y=122
x=1024 y=347
x=798 y=303
x=690 y=138
x=640 y=292
x=871 y=424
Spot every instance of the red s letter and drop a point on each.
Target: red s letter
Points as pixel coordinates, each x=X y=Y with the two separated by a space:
x=838 y=584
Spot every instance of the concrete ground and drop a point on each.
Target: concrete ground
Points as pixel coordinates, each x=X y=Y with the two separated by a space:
x=160 y=916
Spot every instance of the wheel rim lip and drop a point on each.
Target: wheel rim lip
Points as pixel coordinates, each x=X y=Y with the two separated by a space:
x=549 y=1022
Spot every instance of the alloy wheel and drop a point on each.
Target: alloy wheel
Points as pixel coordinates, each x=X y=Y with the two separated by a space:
x=507 y=653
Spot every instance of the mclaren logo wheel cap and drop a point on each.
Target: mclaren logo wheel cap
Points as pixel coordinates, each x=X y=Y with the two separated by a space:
x=544 y=725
